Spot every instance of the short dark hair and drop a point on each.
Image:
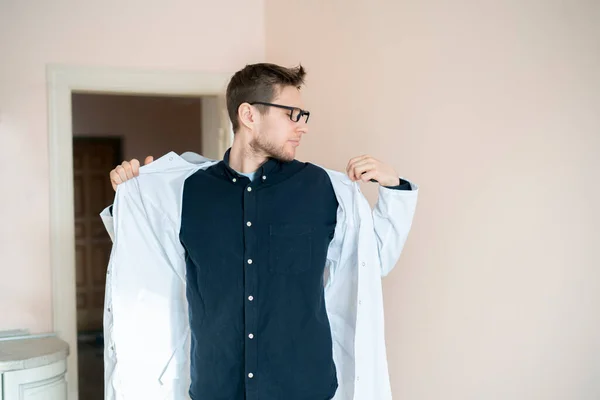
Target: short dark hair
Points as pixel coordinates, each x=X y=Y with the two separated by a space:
x=259 y=82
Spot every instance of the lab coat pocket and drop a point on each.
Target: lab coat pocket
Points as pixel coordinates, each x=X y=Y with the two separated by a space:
x=290 y=248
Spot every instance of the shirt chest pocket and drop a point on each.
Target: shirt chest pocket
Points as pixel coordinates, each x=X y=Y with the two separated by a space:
x=290 y=248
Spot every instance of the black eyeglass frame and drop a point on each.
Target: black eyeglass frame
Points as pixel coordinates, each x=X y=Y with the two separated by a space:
x=301 y=112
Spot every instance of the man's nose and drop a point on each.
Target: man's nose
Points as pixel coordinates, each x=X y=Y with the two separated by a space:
x=303 y=128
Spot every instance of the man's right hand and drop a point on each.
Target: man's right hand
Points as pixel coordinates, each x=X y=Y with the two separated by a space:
x=126 y=171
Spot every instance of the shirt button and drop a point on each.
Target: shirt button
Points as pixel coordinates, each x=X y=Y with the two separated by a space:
x=108 y=309
x=234 y=180
x=251 y=336
x=358 y=378
x=250 y=298
x=250 y=375
x=359 y=302
x=249 y=223
x=363 y=264
x=249 y=189
x=264 y=177
x=249 y=261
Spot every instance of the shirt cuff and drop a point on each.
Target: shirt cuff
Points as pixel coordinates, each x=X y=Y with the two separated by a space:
x=404 y=185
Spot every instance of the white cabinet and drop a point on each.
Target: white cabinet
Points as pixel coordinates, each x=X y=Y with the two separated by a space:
x=42 y=383
x=33 y=369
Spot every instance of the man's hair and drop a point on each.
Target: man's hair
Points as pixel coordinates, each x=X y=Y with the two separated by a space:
x=259 y=82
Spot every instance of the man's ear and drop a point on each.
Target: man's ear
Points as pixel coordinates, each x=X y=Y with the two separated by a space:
x=247 y=115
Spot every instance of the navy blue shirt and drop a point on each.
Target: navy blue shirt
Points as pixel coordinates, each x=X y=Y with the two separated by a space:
x=255 y=256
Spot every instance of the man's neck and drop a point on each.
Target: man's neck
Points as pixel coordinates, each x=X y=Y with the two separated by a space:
x=243 y=158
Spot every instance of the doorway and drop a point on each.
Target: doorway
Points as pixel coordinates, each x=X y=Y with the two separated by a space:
x=63 y=82
x=107 y=129
x=92 y=157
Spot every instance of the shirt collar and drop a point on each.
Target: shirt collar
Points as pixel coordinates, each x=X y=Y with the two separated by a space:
x=270 y=166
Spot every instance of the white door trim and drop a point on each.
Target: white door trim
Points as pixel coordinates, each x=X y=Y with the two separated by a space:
x=62 y=81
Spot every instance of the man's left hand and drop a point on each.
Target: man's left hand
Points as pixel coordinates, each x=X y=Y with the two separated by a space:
x=365 y=168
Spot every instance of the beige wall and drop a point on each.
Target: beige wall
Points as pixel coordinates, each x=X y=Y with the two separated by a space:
x=181 y=35
x=149 y=125
x=494 y=108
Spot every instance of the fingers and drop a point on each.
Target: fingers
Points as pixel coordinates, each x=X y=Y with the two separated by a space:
x=115 y=179
x=362 y=167
x=355 y=160
x=120 y=170
x=367 y=168
x=135 y=167
x=359 y=166
x=367 y=176
x=127 y=170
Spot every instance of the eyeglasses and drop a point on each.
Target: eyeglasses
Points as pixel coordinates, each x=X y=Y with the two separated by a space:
x=295 y=112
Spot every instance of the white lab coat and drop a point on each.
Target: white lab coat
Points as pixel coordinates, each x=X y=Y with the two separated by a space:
x=146 y=329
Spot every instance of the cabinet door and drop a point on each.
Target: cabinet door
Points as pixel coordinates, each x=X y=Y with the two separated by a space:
x=42 y=383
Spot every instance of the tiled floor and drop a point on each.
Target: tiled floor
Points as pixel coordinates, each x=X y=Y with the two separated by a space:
x=91 y=367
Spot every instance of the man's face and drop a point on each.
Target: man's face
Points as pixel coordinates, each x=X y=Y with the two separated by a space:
x=277 y=136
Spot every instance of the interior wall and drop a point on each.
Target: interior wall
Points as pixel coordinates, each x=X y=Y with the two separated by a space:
x=212 y=138
x=148 y=125
x=493 y=108
x=184 y=35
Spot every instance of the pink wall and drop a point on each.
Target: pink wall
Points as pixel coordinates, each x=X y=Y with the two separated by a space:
x=494 y=108
x=490 y=106
x=185 y=35
x=148 y=125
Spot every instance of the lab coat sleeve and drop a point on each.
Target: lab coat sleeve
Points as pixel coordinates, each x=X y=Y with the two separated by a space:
x=392 y=220
x=144 y=247
x=107 y=219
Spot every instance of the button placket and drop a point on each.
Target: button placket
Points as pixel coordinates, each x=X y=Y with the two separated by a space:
x=250 y=272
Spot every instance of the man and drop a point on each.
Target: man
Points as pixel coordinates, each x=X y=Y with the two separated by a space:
x=256 y=230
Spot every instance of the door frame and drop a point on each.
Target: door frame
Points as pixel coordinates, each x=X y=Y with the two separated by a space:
x=62 y=81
